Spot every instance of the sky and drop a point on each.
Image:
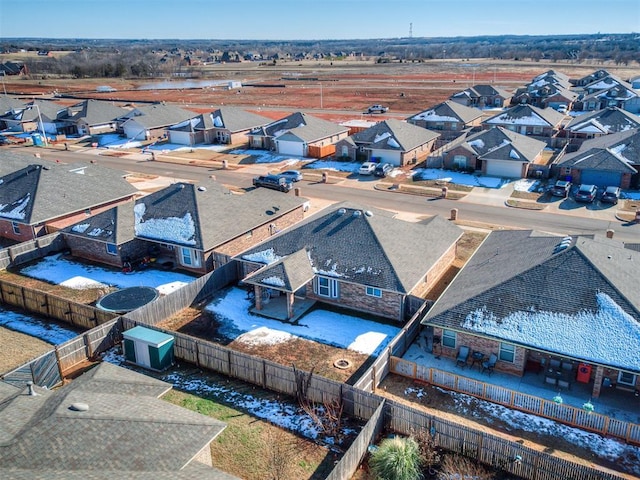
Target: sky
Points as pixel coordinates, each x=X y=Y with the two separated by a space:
x=312 y=19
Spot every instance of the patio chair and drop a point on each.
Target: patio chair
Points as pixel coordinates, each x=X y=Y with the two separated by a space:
x=463 y=355
x=554 y=364
x=490 y=364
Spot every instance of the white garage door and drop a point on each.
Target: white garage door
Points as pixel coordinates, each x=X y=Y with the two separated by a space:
x=386 y=156
x=290 y=148
x=181 y=138
x=497 y=168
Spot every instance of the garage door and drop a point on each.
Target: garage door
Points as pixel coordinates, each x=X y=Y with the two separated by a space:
x=290 y=148
x=386 y=156
x=498 y=168
x=600 y=178
x=181 y=138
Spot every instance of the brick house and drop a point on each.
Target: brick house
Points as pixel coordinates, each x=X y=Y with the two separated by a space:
x=547 y=89
x=598 y=123
x=299 y=134
x=609 y=160
x=396 y=142
x=496 y=152
x=535 y=300
x=527 y=120
x=481 y=96
x=364 y=260
x=200 y=227
x=152 y=121
x=37 y=199
x=226 y=125
x=89 y=117
x=447 y=116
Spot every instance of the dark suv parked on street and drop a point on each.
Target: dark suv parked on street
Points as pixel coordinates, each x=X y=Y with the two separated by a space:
x=274 y=182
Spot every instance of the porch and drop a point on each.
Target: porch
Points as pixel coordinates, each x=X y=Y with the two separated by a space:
x=276 y=307
x=616 y=403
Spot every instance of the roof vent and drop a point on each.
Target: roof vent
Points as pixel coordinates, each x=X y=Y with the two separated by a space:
x=202 y=189
x=45 y=167
x=342 y=211
x=357 y=213
x=368 y=213
x=563 y=245
x=32 y=392
x=79 y=407
x=181 y=186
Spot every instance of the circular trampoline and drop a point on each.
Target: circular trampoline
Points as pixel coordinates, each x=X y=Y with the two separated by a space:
x=127 y=299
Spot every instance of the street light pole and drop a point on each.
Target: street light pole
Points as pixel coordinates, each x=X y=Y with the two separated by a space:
x=44 y=135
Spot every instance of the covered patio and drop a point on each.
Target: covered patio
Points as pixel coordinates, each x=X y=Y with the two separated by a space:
x=620 y=404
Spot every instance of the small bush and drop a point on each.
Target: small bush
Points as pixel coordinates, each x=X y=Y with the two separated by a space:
x=397 y=459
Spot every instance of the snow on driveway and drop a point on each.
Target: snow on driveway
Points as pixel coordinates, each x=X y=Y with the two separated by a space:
x=62 y=271
x=343 y=331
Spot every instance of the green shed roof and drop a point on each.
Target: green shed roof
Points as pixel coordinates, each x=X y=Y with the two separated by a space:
x=147 y=335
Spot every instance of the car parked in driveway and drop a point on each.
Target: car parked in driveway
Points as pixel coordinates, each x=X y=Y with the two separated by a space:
x=367 y=168
x=586 y=193
x=611 y=195
x=383 y=169
x=291 y=175
x=274 y=182
x=561 y=189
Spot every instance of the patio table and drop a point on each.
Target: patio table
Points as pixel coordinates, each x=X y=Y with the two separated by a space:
x=477 y=358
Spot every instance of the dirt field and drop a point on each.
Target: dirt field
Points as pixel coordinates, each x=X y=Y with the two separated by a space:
x=340 y=88
x=18 y=348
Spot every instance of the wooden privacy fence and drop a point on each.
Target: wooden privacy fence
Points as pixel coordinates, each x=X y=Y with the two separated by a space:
x=576 y=417
x=32 y=249
x=42 y=371
x=489 y=449
x=42 y=303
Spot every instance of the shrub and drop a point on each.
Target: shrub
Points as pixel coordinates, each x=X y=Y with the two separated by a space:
x=397 y=459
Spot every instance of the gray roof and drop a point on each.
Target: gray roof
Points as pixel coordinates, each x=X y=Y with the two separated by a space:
x=158 y=115
x=605 y=121
x=367 y=247
x=126 y=429
x=301 y=126
x=234 y=119
x=478 y=91
x=449 y=109
x=115 y=225
x=614 y=152
x=95 y=112
x=217 y=214
x=7 y=104
x=526 y=115
x=394 y=134
x=43 y=192
x=288 y=274
x=525 y=271
x=498 y=143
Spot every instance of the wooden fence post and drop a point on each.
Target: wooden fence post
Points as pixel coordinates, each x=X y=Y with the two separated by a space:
x=58 y=363
x=197 y=354
x=87 y=344
x=373 y=379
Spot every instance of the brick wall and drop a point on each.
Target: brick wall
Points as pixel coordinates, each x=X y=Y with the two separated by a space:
x=97 y=251
x=354 y=296
x=26 y=231
x=486 y=346
x=261 y=233
x=447 y=159
x=436 y=272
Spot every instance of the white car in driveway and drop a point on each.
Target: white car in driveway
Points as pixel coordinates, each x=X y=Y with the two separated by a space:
x=367 y=168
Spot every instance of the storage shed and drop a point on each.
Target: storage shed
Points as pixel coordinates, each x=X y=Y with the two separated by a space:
x=148 y=348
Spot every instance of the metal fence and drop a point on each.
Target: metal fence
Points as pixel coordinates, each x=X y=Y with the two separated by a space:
x=576 y=417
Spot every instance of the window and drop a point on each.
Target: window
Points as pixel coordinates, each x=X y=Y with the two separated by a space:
x=537 y=130
x=374 y=292
x=189 y=257
x=507 y=352
x=453 y=126
x=449 y=338
x=460 y=161
x=626 y=378
x=16 y=227
x=112 y=249
x=326 y=287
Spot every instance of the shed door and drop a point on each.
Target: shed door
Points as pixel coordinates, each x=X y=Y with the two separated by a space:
x=600 y=178
x=142 y=354
x=508 y=169
x=290 y=148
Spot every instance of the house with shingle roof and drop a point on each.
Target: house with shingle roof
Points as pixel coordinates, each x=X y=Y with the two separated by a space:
x=527 y=120
x=25 y=117
x=609 y=92
x=549 y=89
x=396 y=142
x=496 y=152
x=587 y=79
x=481 y=96
x=226 y=125
x=9 y=107
x=598 y=123
x=108 y=423
x=609 y=160
x=41 y=198
x=448 y=116
x=152 y=121
x=196 y=227
x=89 y=117
x=530 y=298
x=298 y=134
x=354 y=258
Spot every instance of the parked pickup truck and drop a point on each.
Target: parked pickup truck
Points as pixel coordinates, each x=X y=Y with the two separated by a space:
x=377 y=109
